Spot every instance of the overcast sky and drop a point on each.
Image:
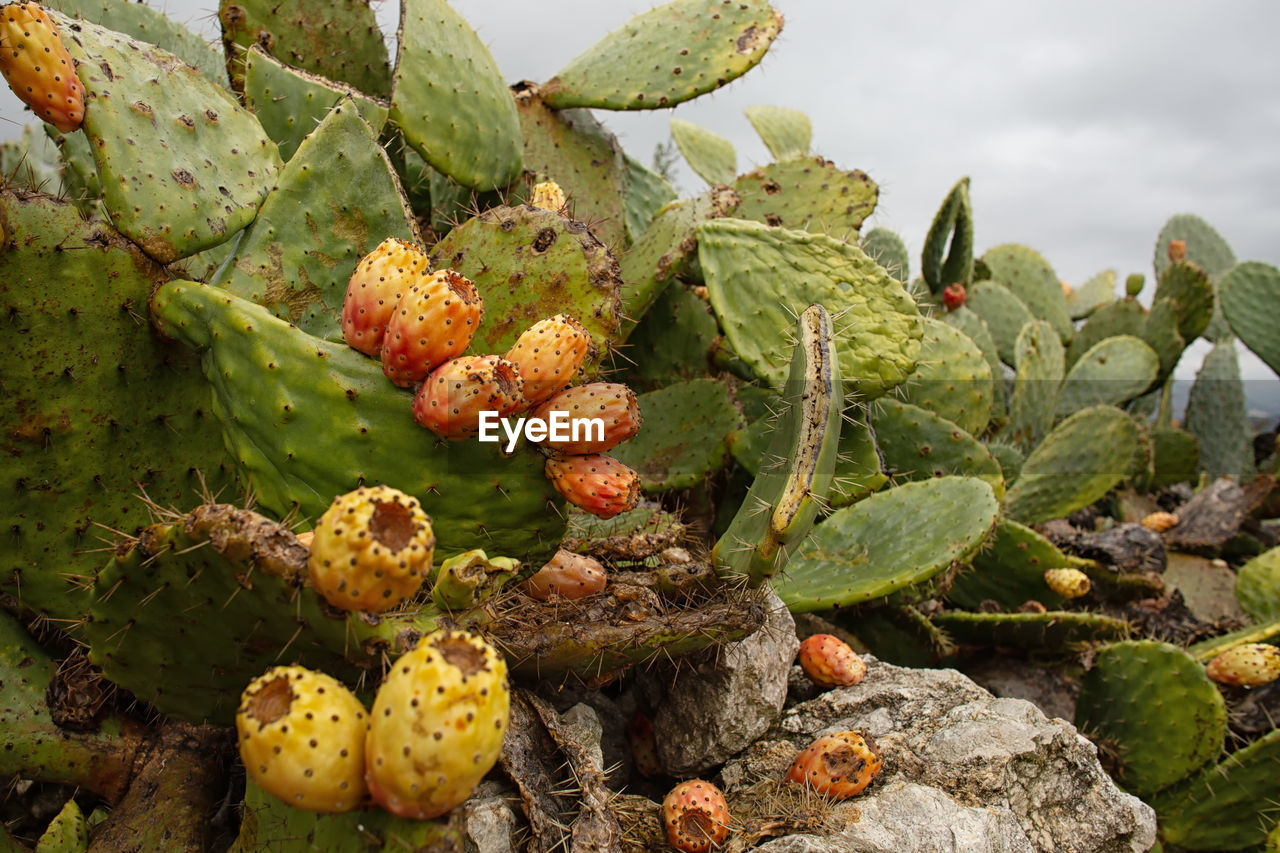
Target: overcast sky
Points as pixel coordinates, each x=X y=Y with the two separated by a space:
x=1083 y=126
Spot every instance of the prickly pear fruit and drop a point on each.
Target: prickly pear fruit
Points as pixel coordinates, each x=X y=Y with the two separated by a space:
x=830 y=662
x=567 y=575
x=1247 y=665
x=644 y=744
x=549 y=355
x=437 y=724
x=380 y=279
x=839 y=765
x=548 y=196
x=449 y=403
x=1177 y=250
x=696 y=816
x=953 y=296
x=37 y=66
x=613 y=403
x=372 y=549
x=1160 y=521
x=1066 y=286
x=1068 y=583
x=595 y=483
x=434 y=321
x=1134 y=283
x=302 y=737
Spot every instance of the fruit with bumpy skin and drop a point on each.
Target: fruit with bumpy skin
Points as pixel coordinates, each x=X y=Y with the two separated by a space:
x=953 y=296
x=1247 y=665
x=433 y=322
x=371 y=550
x=380 y=279
x=1068 y=583
x=549 y=355
x=696 y=816
x=613 y=403
x=302 y=737
x=838 y=766
x=437 y=724
x=449 y=403
x=595 y=483
x=1177 y=251
x=830 y=662
x=37 y=66
x=548 y=196
x=567 y=575
x=1160 y=521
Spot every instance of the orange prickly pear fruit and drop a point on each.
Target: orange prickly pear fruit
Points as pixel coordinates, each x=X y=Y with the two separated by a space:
x=696 y=816
x=595 y=483
x=449 y=403
x=433 y=322
x=613 y=403
x=549 y=355
x=380 y=279
x=830 y=662
x=839 y=765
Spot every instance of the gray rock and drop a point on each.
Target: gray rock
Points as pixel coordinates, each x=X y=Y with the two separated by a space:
x=489 y=824
x=963 y=771
x=714 y=711
x=583 y=724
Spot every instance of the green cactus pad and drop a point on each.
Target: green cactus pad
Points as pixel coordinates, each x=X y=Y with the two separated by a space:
x=917 y=444
x=887 y=542
x=672 y=342
x=66 y=833
x=952 y=378
x=1250 y=296
x=577 y=152
x=1217 y=417
x=309 y=420
x=336 y=200
x=1188 y=286
x=1175 y=458
x=32 y=163
x=272 y=826
x=530 y=264
x=898 y=634
x=337 y=39
x=1111 y=372
x=79 y=173
x=154 y=27
x=667 y=56
x=34 y=746
x=1004 y=314
x=450 y=100
x=1092 y=295
x=785 y=132
x=1052 y=630
x=710 y=155
x=1258 y=587
x=795 y=477
x=1039 y=362
x=290 y=102
x=887 y=249
x=1205 y=246
x=97 y=408
x=808 y=193
x=1160 y=331
x=646 y=193
x=975 y=329
x=683 y=439
x=1155 y=706
x=665 y=251
x=859 y=467
x=1010 y=459
x=1122 y=317
x=760 y=277
x=950 y=234
x=1010 y=570
x=1076 y=464
x=1030 y=278
x=183 y=166
x=1229 y=805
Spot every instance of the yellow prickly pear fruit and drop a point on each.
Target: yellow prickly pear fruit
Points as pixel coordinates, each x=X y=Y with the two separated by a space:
x=372 y=549
x=301 y=737
x=1159 y=521
x=548 y=196
x=1068 y=583
x=1246 y=665
x=437 y=725
x=37 y=66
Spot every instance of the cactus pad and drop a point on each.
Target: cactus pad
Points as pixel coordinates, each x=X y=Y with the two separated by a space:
x=785 y=132
x=950 y=234
x=673 y=340
x=710 y=155
x=1122 y=317
x=1187 y=285
x=683 y=439
x=917 y=444
x=1035 y=391
x=887 y=249
x=859 y=467
x=1113 y=372
x=1092 y=295
x=1004 y=314
x=1205 y=246
x=952 y=378
x=1258 y=587
x=1250 y=297
x=1216 y=414
x=1010 y=571
x=1052 y=630
x=809 y=193
x=1030 y=277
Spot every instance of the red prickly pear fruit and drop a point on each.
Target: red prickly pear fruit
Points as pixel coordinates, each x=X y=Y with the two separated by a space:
x=696 y=816
x=839 y=765
x=433 y=322
x=567 y=575
x=549 y=355
x=449 y=403
x=301 y=736
x=595 y=483
x=437 y=724
x=1247 y=665
x=380 y=279
x=953 y=296
x=615 y=406
x=38 y=68
x=644 y=744
x=371 y=550
x=1177 y=250
x=830 y=662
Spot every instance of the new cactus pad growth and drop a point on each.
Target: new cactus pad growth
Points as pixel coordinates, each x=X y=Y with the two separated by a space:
x=839 y=765
x=38 y=68
x=696 y=816
x=437 y=724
